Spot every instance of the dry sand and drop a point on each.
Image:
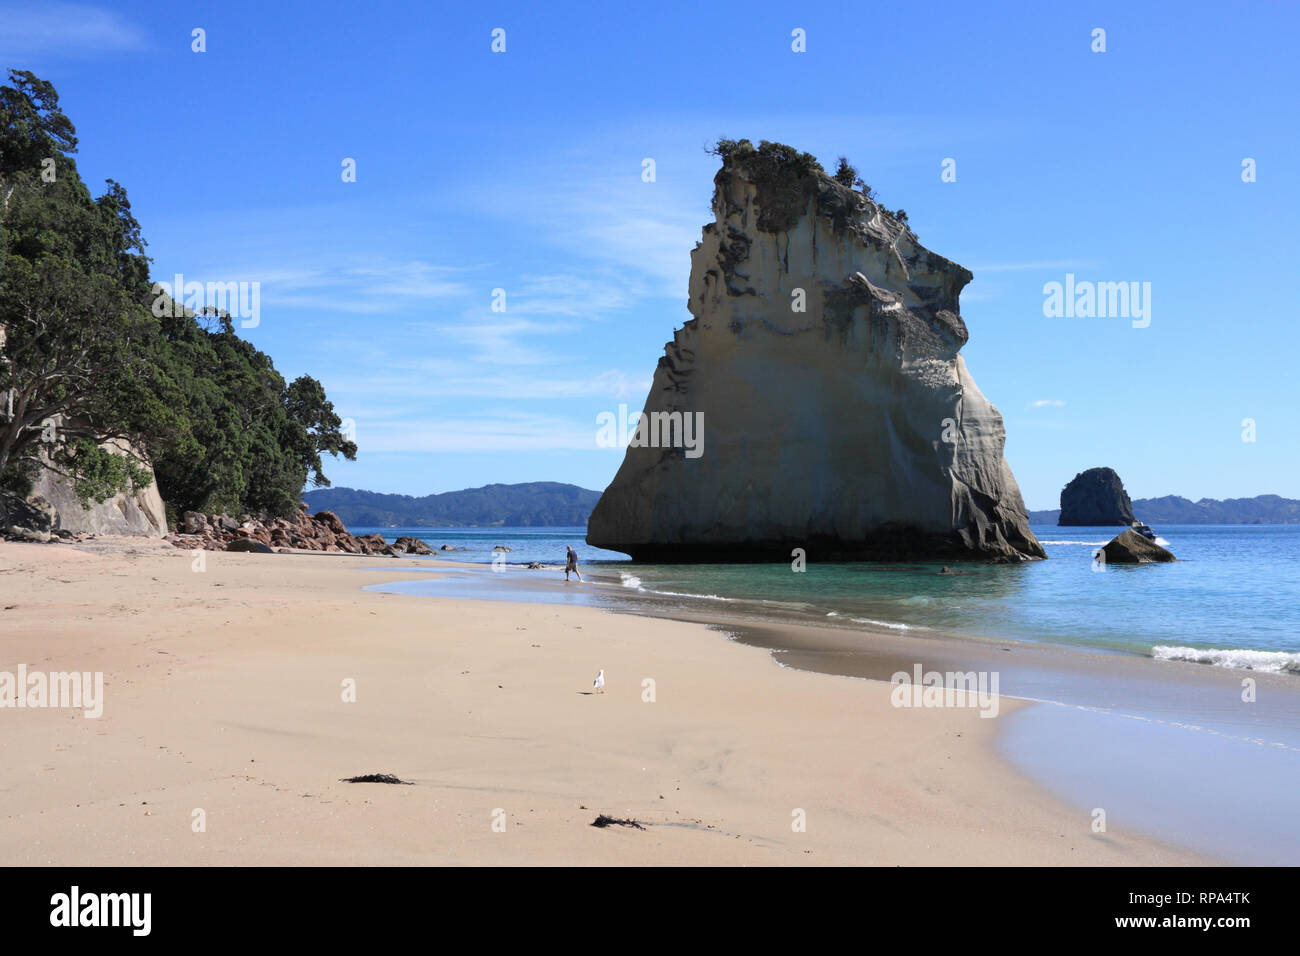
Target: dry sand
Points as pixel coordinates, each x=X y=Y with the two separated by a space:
x=224 y=693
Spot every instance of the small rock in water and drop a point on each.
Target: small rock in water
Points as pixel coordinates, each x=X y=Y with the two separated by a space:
x=1130 y=547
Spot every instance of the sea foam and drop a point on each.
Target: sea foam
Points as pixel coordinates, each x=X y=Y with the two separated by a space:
x=1273 y=662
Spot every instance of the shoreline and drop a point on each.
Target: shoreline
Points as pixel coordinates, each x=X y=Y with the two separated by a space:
x=223 y=695
x=1191 y=714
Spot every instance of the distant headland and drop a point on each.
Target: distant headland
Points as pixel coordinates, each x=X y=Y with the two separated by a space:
x=530 y=504
x=1172 y=509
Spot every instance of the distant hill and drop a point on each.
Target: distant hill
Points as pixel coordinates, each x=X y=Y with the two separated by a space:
x=532 y=504
x=1171 y=509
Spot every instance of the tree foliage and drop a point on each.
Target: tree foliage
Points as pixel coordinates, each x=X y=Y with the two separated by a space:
x=845 y=173
x=84 y=360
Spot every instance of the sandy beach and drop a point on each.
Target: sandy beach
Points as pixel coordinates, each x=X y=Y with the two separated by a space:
x=225 y=732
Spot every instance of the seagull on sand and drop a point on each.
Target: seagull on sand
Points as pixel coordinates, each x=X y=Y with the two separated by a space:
x=598 y=685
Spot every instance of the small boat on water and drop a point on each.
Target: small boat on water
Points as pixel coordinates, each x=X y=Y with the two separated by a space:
x=1144 y=530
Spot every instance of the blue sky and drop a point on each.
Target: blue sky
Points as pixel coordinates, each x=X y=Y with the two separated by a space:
x=522 y=170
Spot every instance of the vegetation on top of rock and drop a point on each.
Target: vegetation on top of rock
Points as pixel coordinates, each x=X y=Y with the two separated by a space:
x=845 y=173
x=786 y=179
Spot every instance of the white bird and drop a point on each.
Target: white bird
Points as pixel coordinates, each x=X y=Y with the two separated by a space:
x=599 y=683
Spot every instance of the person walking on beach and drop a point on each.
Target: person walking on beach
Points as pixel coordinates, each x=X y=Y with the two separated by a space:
x=571 y=564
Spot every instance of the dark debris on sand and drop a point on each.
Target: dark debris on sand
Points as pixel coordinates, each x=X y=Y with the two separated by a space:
x=603 y=821
x=377 y=778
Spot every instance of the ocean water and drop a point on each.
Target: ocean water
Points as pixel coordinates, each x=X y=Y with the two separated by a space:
x=1232 y=598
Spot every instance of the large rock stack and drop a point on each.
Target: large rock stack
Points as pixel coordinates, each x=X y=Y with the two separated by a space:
x=838 y=415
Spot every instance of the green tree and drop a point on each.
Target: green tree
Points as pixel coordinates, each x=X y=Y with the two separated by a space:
x=85 y=360
x=845 y=174
x=69 y=329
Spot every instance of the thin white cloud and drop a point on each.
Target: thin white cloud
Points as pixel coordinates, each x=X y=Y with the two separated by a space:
x=38 y=29
x=503 y=432
x=1047 y=403
x=401 y=385
x=637 y=234
x=369 y=287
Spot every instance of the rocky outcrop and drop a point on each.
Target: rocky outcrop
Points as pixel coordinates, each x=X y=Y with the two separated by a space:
x=1129 y=547
x=822 y=365
x=322 y=531
x=137 y=511
x=1095 y=497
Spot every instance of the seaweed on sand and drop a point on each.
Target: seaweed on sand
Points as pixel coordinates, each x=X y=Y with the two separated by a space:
x=604 y=821
x=376 y=778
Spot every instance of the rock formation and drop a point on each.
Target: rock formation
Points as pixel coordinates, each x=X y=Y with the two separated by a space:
x=1129 y=547
x=823 y=365
x=322 y=531
x=1095 y=497
x=138 y=511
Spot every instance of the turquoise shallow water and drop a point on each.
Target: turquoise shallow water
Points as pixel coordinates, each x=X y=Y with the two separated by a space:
x=1232 y=597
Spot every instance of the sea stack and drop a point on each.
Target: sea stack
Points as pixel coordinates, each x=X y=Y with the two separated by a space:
x=1095 y=498
x=821 y=370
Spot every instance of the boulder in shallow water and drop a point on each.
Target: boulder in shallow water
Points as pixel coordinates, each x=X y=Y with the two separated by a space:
x=1129 y=547
x=412 y=545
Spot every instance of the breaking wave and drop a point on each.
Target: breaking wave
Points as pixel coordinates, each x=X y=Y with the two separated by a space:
x=1272 y=662
x=888 y=624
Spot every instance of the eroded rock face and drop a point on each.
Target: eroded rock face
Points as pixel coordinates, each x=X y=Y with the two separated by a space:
x=1095 y=497
x=851 y=429
x=138 y=511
